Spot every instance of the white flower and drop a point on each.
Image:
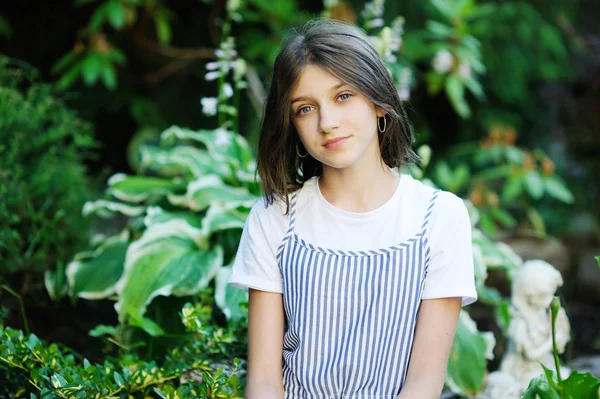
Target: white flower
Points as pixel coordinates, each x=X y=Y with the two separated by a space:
x=404 y=93
x=212 y=75
x=330 y=3
x=211 y=66
x=375 y=23
x=209 y=106
x=239 y=69
x=227 y=90
x=233 y=5
x=443 y=60
x=223 y=137
x=464 y=70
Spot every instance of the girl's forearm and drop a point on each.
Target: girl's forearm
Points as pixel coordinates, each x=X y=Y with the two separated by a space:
x=260 y=389
x=419 y=389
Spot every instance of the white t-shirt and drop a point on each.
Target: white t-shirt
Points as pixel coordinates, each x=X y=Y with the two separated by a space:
x=320 y=223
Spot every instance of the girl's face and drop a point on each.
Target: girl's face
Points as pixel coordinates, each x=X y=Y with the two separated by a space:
x=336 y=124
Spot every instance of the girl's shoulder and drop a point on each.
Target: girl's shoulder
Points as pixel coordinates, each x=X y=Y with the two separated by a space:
x=423 y=193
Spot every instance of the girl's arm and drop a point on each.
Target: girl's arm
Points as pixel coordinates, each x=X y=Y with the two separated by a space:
x=265 y=345
x=434 y=334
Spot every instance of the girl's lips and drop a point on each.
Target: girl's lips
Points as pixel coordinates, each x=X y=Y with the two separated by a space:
x=335 y=143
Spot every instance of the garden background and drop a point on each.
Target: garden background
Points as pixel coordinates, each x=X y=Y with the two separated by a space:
x=128 y=130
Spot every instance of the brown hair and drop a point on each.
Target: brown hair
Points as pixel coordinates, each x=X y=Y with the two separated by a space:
x=345 y=51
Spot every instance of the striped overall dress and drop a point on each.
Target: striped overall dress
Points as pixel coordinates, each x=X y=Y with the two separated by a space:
x=350 y=315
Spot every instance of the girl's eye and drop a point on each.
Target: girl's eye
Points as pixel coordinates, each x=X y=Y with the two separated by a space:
x=344 y=96
x=303 y=110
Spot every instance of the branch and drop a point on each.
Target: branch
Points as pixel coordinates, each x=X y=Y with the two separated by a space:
x=203 y=53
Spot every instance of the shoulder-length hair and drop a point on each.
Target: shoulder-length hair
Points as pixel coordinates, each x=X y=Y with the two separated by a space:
x=345 y=51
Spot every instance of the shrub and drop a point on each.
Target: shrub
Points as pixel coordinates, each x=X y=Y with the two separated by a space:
x=43 y=182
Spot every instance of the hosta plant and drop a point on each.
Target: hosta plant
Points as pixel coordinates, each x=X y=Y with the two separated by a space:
x=185 y=219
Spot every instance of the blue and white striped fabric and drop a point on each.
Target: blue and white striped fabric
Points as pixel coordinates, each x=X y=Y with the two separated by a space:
x=350 y=315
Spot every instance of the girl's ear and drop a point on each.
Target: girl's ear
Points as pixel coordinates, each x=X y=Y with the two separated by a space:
x=380 y=112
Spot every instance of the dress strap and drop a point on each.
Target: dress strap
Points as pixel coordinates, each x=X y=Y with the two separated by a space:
x=429 y=212
x=290 y=229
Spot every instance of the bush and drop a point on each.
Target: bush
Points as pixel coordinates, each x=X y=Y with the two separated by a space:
x=43 y=183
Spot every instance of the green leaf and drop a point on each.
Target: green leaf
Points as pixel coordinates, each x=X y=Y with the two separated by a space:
x=115 y=13
x=580 y=385
x=534 y=184
x=219 y=218
x=108 y=209
x=91 y=67
x=502 y=217
x=137 y=320
x=65 y=60
x=97 y=18
x=168 y=259
x=557 y=189
x=456 y=93
x=467 y=362
x=228 y=298
x=488 y=295
x=101 y=330
x=118 y=379
x=109 y=77
x=139 y=188
x=502 y=314
x=223 y=145
x=539 y=388
x=93 y=274
x=180 y=161
x=207 y=190
x=56 y=283
x=163 y=29
x=513 y=187
x=443 y=174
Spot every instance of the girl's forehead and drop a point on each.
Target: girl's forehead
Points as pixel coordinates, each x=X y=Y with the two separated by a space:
x=313 y=80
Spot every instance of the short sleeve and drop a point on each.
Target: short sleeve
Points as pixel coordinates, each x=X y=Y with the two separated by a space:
x=255 y=264
x=450 y=272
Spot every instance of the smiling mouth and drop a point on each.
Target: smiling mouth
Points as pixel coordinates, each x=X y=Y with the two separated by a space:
x=333 y=141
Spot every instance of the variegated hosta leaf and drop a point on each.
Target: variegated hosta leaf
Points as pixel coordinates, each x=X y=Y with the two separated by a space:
x=467 y=364
x=139 y=188
x=220 y=218
x=166 y=260
x=181 y=161
x=157 y=215
x=93 y=274
x=206 y=190
x=107 y=209
x=228 y=298
x=222 y=144
x=497 y=254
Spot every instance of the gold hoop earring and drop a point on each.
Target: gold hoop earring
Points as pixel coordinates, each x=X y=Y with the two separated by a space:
x=379 y=124
x=298 y=152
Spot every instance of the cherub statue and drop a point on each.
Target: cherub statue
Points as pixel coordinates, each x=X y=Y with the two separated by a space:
x=530 y=331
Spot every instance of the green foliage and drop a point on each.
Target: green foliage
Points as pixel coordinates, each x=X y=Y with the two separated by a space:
x=43 y=183
x=505 y=182
x=467 y=364
x=93 y=57
x=185 y=223
x=550 y=385
x=538 y=50
x=455 y=53
x=198 y=368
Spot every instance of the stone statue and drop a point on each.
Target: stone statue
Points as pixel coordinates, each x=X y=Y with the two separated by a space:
x=529 y=331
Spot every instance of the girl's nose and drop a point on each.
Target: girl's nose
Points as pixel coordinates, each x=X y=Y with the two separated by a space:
x=328 y=120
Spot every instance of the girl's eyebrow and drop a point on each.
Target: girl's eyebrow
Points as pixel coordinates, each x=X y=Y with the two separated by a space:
x=334 y=88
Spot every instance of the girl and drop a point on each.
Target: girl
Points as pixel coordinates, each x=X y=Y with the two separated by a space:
x=353 y=268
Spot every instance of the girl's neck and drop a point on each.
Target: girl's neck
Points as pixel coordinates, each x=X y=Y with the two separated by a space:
x=358 y=190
